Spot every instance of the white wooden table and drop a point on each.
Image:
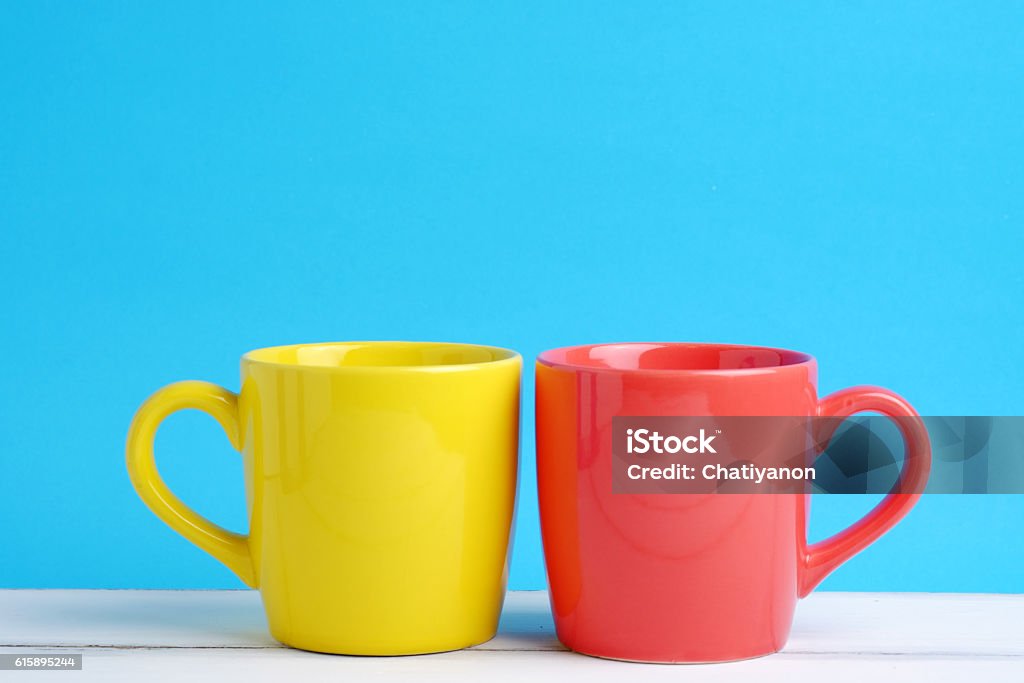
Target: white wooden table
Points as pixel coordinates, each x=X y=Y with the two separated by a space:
x=221 y=636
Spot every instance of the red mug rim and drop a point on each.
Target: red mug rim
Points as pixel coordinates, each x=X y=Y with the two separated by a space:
x=674 y=358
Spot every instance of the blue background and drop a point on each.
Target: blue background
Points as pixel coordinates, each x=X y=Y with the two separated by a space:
x=180 y=184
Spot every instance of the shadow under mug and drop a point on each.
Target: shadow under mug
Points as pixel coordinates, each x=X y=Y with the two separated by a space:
x=687 y=577
x=380 y=481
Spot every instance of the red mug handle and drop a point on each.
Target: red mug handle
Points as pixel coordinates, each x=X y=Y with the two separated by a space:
x=822 y=558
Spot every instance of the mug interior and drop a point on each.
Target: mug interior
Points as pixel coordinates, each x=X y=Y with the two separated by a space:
x=379 y=354
x=672 y=356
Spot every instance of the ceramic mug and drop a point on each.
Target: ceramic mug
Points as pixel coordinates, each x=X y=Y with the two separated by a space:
x=380 y=479
x=687 y=578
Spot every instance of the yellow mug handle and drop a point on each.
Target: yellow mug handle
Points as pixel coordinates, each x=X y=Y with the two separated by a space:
x=230 y=548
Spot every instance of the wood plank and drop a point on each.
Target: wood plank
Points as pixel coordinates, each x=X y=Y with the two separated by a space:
x=938 y=625
x=197 y=619
x=917 y=623
x=255 y=666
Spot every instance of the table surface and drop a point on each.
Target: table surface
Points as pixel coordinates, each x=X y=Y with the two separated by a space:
x=221 y=635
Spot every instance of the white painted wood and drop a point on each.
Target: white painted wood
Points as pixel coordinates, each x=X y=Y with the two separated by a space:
x=225 y=619
x=221 y=635
x=284 y=666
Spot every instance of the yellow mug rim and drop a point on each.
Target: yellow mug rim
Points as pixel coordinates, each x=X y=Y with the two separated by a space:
x=276 y=356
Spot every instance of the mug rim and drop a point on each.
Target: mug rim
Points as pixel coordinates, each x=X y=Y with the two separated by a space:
x=791 y=359
x=501 y=356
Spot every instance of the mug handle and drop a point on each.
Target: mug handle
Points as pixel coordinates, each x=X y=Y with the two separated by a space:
x=230 y=548
x=822 y=558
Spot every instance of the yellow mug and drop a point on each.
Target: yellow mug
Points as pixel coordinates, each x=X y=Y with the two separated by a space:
x=380 y=480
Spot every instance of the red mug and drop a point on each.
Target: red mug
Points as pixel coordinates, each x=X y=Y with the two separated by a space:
x=687 y=578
